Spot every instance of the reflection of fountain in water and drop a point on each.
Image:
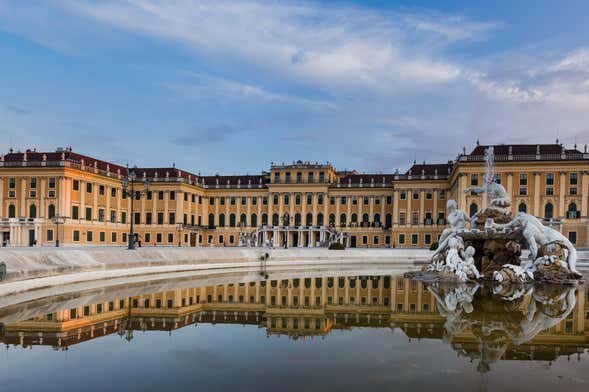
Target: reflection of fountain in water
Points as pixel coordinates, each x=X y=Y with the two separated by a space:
x=499 y=319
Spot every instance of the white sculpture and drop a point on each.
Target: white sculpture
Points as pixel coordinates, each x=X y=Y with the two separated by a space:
x=536 y=234
x=457 y=222
x=499 y=199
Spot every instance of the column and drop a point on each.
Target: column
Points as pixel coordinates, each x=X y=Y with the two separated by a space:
x=462 y=196
x=2 y=213
x=409 y=211
x=421 y=207
x=82 y=192
x=561 y=208
x=584 y=194
x=395 y=207
x=536 y=194
x=435 y=211
x=95 y=201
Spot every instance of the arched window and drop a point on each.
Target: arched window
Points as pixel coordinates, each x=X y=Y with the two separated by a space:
x=377 y=218
x=242 y=220
x=51 y=211
x=388 y=220
x=309 y=219
x=320 y=219
x=365 y=218
x=473 y=209
x=548 y=211
x=11 y=211
x=222 y=220
x=33 y=211
x=342 y=220
x=297 y=220
x=354 y=218
x=332 y=220
x=274 y=219
x=522 y=207
x=211 y=220
x=232 y=220
x=264 y=219
x=254 y=220
x=572 y=211
x=298 y=199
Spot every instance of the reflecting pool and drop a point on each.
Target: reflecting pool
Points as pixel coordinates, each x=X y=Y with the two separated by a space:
x=314 y=330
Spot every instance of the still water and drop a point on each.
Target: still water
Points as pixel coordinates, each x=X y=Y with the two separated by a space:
x=299 y=331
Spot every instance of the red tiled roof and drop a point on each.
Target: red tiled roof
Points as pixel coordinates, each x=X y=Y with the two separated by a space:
x=39 y=156
x=522 y=149
x=235 y=180
x=367 y=178
x=430 y=169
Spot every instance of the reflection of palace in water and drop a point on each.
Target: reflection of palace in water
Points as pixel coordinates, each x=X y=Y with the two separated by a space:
x=298 y=308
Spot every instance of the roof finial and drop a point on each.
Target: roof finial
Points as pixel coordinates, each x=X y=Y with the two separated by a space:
x=478 y=143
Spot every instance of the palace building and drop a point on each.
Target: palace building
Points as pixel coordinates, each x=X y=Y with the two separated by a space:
x=75 y=199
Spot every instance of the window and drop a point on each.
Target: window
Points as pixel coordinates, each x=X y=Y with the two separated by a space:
x=113 y=192
x=402 y=218
x=147 y=237
x=265 y=200
x=309 y=199
x=158 y=238
x=123 y=217
x=388 y=219
x=572 y=212
x=389 y=200
x=428 y=239
x=221 y=220
x=474 y=179
x=415 y=195
x=522 y=207
x=523 y=191
x=88 y=213
x=211 y=201
x=320 y=199
x=573 y=237
x=76 y=185
x=76 y=235
x=172 y=195
x=51 y=211
x=11 y=211
x=550 y=179
x=75 y=212
x=414 y=239
x=549 y=191
x=332 y=200
x=136 y=218
x=160 y=218
x=113 y=237
x=523 y=179
x=89 y=236
x=51 y=182
x=366 y=200
x=88 y=187
x=354 y=200
x=254 y=220
x=428 y=195
x=148 y=218
x=286 y=199
x=275 y=200
x=101 y=190
x=49 y=235
x=102 y=236
x=364 y=240
x=344 y=200
x=32 y=211
x=170 y=238
x=342 y=219
x=172 y=218
x=232 y=220
x=573 y=179
x=548 y=211
x=12 y=183
x=101 y=215
x=573 y=190
x=243 y=201
x=474 y=208
x=403 y=195
x=401 y=239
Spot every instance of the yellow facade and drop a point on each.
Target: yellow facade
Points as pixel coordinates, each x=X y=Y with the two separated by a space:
x=320 y=203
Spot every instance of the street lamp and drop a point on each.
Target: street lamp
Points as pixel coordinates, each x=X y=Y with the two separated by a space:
x=286 y=223
x=180 y=226
x=58 y=219
x=128 y=183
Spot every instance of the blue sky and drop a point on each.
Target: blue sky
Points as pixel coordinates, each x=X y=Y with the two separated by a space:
x=229 y=86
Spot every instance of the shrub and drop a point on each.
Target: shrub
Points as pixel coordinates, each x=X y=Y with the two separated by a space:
x=336 y=246
x=433 y=246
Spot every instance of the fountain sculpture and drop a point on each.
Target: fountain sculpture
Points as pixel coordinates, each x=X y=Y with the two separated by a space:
x=490 y=248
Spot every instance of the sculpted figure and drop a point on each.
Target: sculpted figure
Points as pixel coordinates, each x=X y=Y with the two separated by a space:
x=497 y=194
x=536 y=234
x=469 y=268
x=457 y=222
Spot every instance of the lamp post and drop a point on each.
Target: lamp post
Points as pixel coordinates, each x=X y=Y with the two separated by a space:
x=58 y=219
x=180 y=226
x=286 y=223
x=128 y=184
